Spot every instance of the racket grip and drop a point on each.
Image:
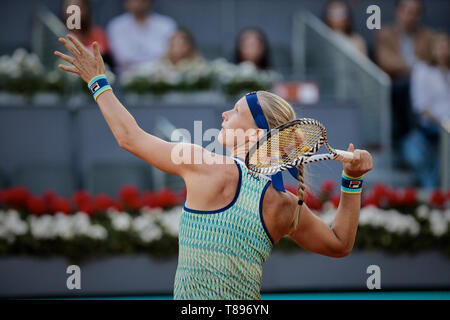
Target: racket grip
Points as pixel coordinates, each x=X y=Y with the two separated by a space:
x=343 y=156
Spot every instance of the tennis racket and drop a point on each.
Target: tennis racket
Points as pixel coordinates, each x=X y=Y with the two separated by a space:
x=291 y=145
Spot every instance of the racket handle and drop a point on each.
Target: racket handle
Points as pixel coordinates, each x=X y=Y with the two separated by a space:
x=343 y=156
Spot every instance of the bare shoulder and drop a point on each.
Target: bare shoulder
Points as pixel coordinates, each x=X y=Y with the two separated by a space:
x=211 y=186
x=198 y=160
x=278 y=212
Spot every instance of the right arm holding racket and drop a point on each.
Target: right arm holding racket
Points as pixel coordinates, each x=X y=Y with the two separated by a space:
x=315 y=235
x=294 y=144
x=123 y=125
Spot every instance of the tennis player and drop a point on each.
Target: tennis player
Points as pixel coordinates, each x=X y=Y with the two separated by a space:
x=232 y=217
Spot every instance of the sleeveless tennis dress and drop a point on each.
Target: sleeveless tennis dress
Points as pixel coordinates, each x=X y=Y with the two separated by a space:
x=221 y=252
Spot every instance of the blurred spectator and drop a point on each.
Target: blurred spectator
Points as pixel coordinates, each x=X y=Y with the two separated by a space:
x=89 y=33
x=401 y=44
x=430 y=94
x=338 y=16
x=398 y=47
x=252 y=45
x=139 y=35
x=182 y=49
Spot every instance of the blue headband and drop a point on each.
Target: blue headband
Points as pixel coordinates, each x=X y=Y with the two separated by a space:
x=261 y=122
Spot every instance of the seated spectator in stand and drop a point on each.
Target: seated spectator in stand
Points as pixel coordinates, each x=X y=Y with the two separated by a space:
x=252 y=45
x=139 y=35
x=398 y=47
x=337 y=16
x=89 y=33
x=182 y=50
x=430 y=94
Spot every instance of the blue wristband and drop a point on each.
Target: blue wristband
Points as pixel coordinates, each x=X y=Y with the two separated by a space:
x=350 y=184
x=98 y=85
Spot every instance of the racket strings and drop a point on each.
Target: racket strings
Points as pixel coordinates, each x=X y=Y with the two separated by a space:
x=286 y=145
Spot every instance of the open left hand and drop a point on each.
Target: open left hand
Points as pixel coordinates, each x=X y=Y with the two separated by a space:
x=361 y=163
x=83 y=62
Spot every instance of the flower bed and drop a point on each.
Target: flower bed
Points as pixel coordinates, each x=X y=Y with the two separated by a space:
x=23 y=75
x=24 y=78
x=201 y=76
x=147 y=222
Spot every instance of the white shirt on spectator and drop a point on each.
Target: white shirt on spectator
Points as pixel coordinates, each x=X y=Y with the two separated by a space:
x=132 y=43
x=430 y=91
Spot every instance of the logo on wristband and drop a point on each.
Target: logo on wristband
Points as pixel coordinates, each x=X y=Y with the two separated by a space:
x=95 y=87
x=355 y=184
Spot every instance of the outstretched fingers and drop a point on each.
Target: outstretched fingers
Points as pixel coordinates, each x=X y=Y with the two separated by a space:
x=69 y=47
x=97 y=54
x=77 y=43
x=65 y=57
x=68 y=68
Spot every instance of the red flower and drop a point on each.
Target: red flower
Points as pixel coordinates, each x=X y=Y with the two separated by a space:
x=59 y=204
x=409 y=197
x=128 y=192
x=4 y=196
x=394 y=198
x=103 y=202
x=371 y=199
x=149 y=199
x=328 y=187
x=87 y=208
x=166 y=198
x=129 y=195
x=312 y=201
x=379 y=196
x=335 y=200
x=81 y=199
x=49 y=196
x=16 y=197
x=36 y=205
x=437 y=198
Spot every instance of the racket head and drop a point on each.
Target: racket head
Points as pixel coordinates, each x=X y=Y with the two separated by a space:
x=286 y=146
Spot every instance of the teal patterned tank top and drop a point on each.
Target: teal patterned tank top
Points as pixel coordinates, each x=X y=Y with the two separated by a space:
x=221 y=252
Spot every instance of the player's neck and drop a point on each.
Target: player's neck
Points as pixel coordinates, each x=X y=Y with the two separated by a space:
x=239 y=152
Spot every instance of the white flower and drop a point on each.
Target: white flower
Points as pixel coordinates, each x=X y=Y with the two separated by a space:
x=11 y=225
x=54 y=76
x=41 y=227
x=141 y=222
x=150 y=233
x=19 y=55
x=328 y=217
x=438 y=223
x=146 y=227
x=423 y=211
x=62 y=226
x=121 y=221
x=328 y=206
x=152 y=211
x=390 y=220
x=81 y=223
x=97 y=232
x=447 y=215
x=171 y=220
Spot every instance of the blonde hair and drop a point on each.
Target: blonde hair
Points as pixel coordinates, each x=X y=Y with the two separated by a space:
x=277 y=112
